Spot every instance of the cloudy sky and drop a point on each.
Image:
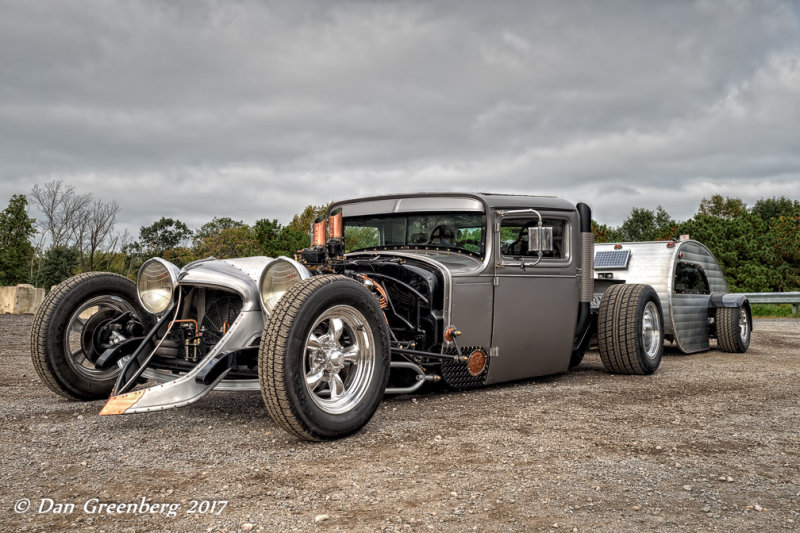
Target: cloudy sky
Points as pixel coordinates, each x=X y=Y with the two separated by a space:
x=251 y=110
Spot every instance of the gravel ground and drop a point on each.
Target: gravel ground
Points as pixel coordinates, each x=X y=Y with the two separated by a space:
x=709 y=442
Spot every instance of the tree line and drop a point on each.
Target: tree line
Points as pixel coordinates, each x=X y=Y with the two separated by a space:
x=757 y=247
x=75 y=232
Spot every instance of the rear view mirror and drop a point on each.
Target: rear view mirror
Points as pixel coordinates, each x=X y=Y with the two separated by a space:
x=540 y=239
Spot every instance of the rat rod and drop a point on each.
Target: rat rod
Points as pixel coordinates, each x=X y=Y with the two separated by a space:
x=394 y=292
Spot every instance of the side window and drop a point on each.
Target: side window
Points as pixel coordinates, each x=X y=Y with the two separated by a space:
x=514 y=237
x=690 y=279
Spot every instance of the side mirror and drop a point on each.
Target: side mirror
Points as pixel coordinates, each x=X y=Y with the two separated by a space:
x=540 y=239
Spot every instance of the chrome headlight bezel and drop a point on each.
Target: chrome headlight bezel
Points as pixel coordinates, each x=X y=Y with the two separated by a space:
x=156 y=300
x=280 y=275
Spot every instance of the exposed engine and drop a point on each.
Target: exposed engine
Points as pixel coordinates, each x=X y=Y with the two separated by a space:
x=410 y=292
x=206 y=315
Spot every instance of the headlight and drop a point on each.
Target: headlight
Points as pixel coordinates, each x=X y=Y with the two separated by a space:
x=279 y=276
x=155 y=285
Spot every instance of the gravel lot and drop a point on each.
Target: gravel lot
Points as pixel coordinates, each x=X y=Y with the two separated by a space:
x=710 y=442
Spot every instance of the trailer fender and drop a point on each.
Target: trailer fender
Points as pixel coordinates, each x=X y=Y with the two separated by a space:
x=727 y=300
x=717 y=301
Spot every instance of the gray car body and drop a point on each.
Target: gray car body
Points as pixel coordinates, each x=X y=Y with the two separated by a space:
x=525 y=317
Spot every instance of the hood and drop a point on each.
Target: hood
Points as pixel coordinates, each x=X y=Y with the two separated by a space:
x=239 y=275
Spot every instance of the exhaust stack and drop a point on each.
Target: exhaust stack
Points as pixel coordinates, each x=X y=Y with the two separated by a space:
x=320 y=226
x=336 y=238
x=335 y=224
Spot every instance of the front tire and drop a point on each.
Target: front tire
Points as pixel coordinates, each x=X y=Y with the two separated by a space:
x=734 y=325
x=630 y=329
x=324 y=358
x=66 y=329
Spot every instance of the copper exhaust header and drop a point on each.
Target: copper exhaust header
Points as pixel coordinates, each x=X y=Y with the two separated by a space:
x=335 y=224
x=319 y=231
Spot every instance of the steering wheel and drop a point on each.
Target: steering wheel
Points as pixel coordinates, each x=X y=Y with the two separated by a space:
x=441 y=233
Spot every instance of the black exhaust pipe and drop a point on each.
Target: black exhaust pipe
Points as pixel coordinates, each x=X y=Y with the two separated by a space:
x=583 y=324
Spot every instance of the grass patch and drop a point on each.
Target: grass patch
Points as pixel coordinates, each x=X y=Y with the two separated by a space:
x=773 y=310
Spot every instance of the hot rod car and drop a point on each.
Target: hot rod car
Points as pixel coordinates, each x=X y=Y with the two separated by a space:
x=394 y=292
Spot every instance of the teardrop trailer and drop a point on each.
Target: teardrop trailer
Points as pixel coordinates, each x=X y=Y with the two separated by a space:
x=394 y=292
x=696 y=304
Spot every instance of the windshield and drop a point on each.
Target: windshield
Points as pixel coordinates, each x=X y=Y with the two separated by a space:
x=460 y=232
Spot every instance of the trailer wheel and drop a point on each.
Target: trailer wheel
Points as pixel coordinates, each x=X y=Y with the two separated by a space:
x=68 y=333
x=323 y=362
x=733 y=328
x=630 y=329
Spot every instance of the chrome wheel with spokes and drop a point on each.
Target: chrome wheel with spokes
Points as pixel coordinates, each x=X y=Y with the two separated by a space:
x=340 y=355
x=323 y=361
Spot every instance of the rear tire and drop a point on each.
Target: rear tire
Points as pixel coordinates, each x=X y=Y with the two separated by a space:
x=64 y=333
x=323 y=362
x=734 y=325
x=630 y=330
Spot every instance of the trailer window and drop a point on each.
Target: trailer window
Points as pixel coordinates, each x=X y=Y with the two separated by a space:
x=514 y=237
x=690 y=279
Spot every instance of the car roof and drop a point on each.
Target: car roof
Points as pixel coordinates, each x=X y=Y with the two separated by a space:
x=392 y=202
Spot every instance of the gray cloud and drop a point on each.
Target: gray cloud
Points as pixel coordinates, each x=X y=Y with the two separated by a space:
x=255 y=109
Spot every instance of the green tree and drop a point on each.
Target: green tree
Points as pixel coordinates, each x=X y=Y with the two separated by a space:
x=276 y=240
x=646 y=225
x=58 y=263
x=217 y=225
x=16 y=250
x=604 y=233
x=162 y=235
x=774 y=208
x=228 y=242
x=785 y=237
x=742 y=247
x=728 y=208
x=302 y=221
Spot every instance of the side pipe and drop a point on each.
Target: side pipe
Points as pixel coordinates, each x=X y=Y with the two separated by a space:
x=422 y=377
x=418 y=353
x=581 y=340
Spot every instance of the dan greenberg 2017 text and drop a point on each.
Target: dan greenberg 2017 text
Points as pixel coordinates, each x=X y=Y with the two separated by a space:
x=93 y=506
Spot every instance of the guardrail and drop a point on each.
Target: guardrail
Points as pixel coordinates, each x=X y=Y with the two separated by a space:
x=792 y=298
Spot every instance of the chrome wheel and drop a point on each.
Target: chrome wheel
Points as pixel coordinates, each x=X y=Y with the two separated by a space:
x=80 y=335
x=744 y=325
x=651 y=330
x=339 y=359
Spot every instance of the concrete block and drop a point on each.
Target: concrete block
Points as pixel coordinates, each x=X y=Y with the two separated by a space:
x=22 y=299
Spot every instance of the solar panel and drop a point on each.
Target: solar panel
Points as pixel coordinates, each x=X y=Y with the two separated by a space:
x=606 y=260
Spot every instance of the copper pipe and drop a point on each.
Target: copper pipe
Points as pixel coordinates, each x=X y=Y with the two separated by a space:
x=187 y=320
x=336 y=229
x=319 y=231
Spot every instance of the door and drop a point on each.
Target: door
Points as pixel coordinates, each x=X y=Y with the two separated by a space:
x=690 y=296
x=535 y=307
